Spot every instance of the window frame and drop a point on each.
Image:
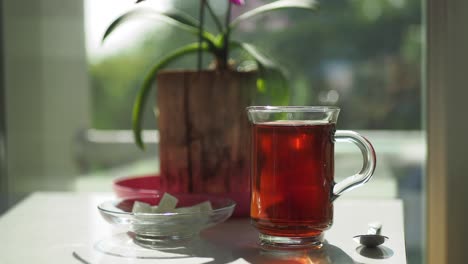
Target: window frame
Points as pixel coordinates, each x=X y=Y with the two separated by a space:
x=3 y=134
x=447 y=215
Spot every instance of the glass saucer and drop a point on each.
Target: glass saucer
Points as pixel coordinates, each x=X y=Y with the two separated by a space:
x=165 y=230
x=122 y=245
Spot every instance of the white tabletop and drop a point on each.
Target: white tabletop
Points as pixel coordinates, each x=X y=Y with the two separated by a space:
x=49 y=227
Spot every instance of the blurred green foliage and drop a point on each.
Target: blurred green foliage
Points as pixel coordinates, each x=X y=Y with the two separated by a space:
x=363 y=56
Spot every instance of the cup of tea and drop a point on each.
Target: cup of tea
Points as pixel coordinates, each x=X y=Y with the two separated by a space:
x=292 y=172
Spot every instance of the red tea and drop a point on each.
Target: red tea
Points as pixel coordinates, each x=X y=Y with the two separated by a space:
x=292 y=178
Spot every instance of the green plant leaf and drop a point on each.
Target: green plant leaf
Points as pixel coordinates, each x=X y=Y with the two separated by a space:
x=173 y=17
x=145 y=88
x=277 y=5
x=272 y=78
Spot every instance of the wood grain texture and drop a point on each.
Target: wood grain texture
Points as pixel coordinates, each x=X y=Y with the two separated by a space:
x=204 y=130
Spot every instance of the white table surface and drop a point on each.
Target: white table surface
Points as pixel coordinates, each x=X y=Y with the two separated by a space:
x=49 y=227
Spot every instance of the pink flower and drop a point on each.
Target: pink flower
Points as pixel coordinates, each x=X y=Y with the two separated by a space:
x=237 y=2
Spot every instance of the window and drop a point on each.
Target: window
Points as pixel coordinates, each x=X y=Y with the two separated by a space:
x=43 y=40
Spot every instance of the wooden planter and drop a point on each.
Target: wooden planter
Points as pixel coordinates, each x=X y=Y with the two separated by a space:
x=204 y=132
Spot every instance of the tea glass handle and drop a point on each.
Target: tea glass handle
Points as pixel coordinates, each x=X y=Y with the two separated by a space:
x=368 y=165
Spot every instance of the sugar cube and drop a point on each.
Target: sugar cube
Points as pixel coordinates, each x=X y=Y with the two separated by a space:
x=140 y=207
x=167 y=204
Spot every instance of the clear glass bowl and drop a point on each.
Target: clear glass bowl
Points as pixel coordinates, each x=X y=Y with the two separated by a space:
x=155 y=230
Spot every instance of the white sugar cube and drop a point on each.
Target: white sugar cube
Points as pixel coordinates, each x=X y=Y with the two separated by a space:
x=167 y=204
x=201 y=207
x=141 y=208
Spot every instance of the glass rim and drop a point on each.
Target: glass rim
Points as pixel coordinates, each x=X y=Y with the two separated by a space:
x=281 y=109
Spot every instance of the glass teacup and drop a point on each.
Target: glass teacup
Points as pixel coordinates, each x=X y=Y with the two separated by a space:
x=292 y=172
